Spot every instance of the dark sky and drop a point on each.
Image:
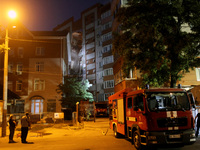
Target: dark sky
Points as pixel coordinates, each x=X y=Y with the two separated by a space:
x=38 y=15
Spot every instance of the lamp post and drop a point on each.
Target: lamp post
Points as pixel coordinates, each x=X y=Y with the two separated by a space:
x=12 y=14
x=5 y=85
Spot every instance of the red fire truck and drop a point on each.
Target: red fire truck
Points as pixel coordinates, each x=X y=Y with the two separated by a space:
x=101 y=109
x=153 y=116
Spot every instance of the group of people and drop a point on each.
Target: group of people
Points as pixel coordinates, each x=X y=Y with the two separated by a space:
x=25 y=124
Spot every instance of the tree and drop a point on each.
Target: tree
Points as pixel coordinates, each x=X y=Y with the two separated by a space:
x=73 y=90
x=2 y=47
x=160 y=38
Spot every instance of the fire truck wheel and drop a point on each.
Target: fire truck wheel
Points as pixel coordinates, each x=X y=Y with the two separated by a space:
x=116 y=134
x=137 y=140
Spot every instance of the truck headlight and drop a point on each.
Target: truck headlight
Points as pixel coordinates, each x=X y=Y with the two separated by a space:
x=192 y=135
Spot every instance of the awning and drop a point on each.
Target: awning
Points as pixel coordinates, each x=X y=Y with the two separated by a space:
x=11 y=95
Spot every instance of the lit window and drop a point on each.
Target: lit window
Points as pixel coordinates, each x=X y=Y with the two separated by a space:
x=19 y=69
x=36 y=105
x=198 y=74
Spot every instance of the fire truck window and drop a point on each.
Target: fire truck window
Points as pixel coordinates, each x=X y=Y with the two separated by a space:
x=135 y=102
x=140 y=102
x=130 y=102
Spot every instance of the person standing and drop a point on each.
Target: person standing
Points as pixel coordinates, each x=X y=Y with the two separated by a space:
x=12 y=125
x=25 y=124
x=198 y=123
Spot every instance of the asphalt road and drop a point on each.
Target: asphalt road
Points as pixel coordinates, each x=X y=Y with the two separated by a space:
x=90 y=136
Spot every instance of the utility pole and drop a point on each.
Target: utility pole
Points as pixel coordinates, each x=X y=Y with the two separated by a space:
x=5 y=85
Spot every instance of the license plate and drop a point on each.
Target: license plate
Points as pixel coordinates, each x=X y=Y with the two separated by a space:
x=174 y=136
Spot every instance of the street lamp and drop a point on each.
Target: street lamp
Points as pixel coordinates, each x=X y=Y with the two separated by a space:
x=12 y=15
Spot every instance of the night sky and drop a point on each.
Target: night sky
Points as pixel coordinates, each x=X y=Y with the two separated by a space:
x=41 y=15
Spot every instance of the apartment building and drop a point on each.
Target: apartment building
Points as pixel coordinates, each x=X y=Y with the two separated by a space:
x=95 y=57
x=36 y=65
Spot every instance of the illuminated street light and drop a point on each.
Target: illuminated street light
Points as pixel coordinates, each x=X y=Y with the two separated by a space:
x=12 y=15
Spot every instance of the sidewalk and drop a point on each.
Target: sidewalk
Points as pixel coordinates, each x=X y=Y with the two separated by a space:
x=90 y=135
x=57 y=135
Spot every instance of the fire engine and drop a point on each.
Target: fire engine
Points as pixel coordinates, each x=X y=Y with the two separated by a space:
x=153 y=116
x=101 y=109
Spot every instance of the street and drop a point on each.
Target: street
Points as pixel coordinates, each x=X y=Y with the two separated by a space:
x=93 y=136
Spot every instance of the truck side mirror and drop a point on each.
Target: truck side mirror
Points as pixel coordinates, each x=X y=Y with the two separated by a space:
x=192 y=100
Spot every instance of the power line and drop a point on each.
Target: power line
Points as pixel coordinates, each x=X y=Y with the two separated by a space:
x=34 y=41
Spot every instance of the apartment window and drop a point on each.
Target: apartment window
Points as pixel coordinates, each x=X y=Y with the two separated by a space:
x=19 y=85
x=20 y=52
x=39 y=66
x=39 y=85
x=100 y=43
x=107 y=60
x=105 y=14
x=107 y=26
x=39 y=51
x=132 y=74
x=19 y=68
x=107 y=36
x=100 y=75
x=107 y=48
x=106 y=95
x=10 y=68
x=108 y=72
x=118 y=77
x=100 y=53
x=198 y=74
x=108 y=84
x=100 y=64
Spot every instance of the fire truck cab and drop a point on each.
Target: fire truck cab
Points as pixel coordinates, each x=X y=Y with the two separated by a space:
x=152 y=116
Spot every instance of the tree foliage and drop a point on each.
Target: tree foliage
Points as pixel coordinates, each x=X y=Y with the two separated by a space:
x=73 y=90
x=2 y=47
x=160 y=38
